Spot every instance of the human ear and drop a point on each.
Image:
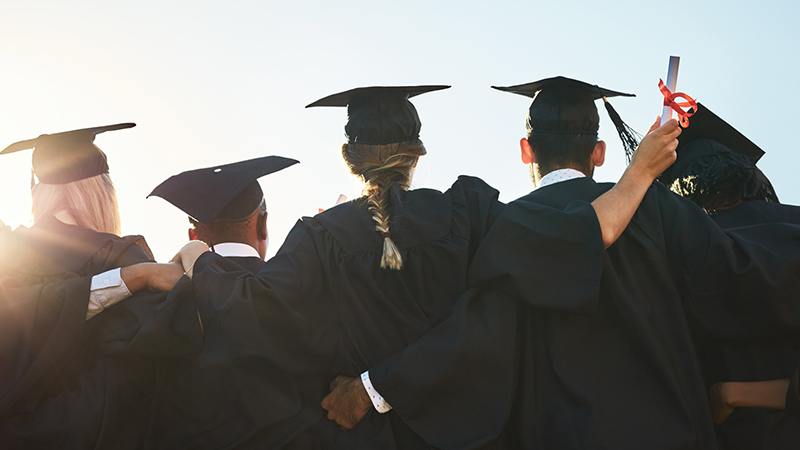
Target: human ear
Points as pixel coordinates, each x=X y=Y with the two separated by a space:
x=526 y=152
x=261 y=226
x=599 y=154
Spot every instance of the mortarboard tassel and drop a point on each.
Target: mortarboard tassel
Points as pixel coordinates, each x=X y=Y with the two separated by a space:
x=630 y=138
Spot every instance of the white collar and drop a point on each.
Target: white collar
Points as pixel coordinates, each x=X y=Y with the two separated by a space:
x=558 y=176
x=235 y=249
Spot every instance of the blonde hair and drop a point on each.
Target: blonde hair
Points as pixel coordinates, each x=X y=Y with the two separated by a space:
x=385 y=169
x=91 y=201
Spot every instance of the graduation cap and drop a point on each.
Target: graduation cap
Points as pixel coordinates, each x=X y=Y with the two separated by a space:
x=228 y=193
x=566 y=106
x=62 y=158
x=379 y=114
x=708 y=134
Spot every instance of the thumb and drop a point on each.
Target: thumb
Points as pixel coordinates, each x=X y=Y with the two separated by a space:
x=326 y=402
x=668 y=128
x=655 y=125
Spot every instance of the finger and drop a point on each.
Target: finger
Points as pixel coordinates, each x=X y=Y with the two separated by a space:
x=668 y=127
x=326 y=402
x=655 y=125
x=336 y=382
x=332 y=416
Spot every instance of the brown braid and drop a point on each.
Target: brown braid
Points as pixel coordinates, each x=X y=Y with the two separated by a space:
x=384 y=168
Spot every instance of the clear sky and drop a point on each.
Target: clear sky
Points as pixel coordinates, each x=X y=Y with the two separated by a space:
x=215 y=82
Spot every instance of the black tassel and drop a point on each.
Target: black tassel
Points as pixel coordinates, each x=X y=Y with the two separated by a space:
x=630 y=138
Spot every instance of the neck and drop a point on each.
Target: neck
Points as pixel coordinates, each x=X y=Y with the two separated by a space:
x=66 y=217
x=537 y=173
x=252 y=242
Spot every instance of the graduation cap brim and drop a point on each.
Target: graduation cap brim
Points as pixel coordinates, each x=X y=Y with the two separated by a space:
x=531 y=89
x=204 y=193
x=344 y=98
x=704 y=124
x=94 y=131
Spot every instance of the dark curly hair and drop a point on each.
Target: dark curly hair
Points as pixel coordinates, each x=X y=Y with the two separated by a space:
x=721 y=180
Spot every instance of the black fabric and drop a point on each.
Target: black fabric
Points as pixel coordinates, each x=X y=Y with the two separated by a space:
x=793 y=393
x=323 y=306
x=454 y=385
x=68 y=382
x=765 y=359
x=69 y=156
x=248 y=404
x=627 y=377
x=379 y=114
x=612 y=365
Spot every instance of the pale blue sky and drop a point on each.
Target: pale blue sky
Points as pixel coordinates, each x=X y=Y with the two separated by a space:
x=215 y=82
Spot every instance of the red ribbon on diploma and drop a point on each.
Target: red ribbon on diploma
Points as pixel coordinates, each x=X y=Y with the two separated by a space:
x=669 y=100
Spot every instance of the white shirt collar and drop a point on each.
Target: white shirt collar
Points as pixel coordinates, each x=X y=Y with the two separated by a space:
x=558 y=176
x=235 y=249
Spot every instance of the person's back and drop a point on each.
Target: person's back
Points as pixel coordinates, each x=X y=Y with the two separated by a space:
x=621 y=373
x=716 y=169
x=356 y=283
x=614 y=366
x=355 y=312
x=69 y=381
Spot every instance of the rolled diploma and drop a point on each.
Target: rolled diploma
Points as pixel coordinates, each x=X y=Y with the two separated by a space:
x=672 y=82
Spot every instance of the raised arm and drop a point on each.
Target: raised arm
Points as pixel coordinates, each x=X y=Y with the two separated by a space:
x=655 y=153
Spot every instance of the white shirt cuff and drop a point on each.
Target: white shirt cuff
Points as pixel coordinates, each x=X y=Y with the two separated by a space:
x=107 y=289
x=377 y=400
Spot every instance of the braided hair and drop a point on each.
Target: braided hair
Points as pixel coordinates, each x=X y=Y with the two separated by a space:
x=386 y=171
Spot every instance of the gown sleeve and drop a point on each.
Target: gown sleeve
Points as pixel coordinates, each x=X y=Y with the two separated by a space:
x=741 y=283
x=40 y=328
x=483 y=208
x=284 y=314
x=455 y=386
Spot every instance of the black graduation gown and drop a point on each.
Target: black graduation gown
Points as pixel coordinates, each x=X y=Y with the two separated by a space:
x=68 y=382
x=606 y=362
x=323 y=307
x=224 y=406
x=731 y=360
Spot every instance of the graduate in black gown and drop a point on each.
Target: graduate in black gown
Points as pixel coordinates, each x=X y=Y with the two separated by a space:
x=607 y=362
x=221 y=406
x=716 y=169
x=362 y=280
x=76 y=369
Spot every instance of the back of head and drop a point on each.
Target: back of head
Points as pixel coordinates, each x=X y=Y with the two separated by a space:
x=242 y=231
x=386 y=170
x=73 y=177
x=92 y=202
x=716 y=178
x=563 y=121
x=382 y=148
x=555 y=151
